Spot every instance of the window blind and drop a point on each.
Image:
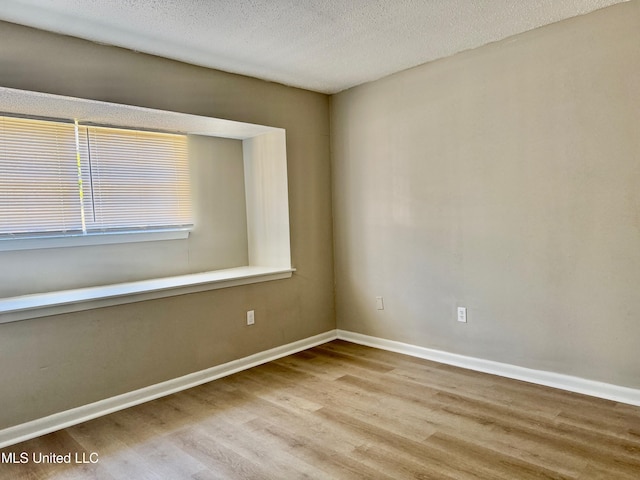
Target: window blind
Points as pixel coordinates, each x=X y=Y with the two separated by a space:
x=38 y=177
x=124 y=180
x=140 y=180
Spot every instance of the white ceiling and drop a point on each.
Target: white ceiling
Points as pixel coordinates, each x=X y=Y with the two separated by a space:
x=321 y=45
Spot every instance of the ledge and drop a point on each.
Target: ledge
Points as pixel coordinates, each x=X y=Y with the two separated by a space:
x=80 y=240
x=24 y=307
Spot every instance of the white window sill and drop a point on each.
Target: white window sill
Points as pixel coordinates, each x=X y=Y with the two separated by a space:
x=80 y=240
x=24 y=307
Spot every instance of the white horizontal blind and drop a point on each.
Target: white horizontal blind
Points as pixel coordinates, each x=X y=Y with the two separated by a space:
x=128 y=180
x=140 y=180
x=38 y=178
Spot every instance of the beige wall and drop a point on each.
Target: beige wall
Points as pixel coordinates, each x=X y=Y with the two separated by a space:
x=504 y=179
x=55 y=363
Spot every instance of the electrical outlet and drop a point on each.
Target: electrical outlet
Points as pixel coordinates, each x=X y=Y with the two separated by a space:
x=379 y=303
x=462 y=314
x=251 y=318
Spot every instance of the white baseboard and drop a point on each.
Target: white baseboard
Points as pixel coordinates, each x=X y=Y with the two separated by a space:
x=541 y=377
x=74 y=416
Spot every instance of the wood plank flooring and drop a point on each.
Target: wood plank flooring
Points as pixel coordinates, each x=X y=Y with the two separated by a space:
x=344 y=411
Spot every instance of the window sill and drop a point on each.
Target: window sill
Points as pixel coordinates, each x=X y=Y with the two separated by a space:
x=24 y=307
x=7 y=244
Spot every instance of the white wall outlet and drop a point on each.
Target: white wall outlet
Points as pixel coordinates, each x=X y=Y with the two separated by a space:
x=462 y=314
x=251 y=318
x=379 y=303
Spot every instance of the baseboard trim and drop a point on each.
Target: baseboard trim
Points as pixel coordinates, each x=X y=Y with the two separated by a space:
x=550 y=379
x=57 y=421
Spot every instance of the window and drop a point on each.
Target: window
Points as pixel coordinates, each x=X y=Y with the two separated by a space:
x=42 y=283
x=64 y=179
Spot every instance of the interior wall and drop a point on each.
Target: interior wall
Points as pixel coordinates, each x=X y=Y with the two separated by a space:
x=55 y=363
x=219 y=236
x=503 y=179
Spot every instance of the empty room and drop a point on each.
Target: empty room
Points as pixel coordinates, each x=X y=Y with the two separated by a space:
x=278 y=239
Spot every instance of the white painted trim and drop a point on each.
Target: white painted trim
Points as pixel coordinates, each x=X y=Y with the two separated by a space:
x=57 y=421
x=267 y=199
x=38 y=104
x=81 y=240
x=24 y=307
x=550 y=379
x=68 y=418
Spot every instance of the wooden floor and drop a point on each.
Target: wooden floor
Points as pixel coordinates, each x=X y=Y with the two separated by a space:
x=342 y=411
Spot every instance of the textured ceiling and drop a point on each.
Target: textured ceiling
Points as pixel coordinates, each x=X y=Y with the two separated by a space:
x=321 y=45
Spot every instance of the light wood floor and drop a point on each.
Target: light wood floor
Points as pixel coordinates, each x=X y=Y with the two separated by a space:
x=343 y=411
